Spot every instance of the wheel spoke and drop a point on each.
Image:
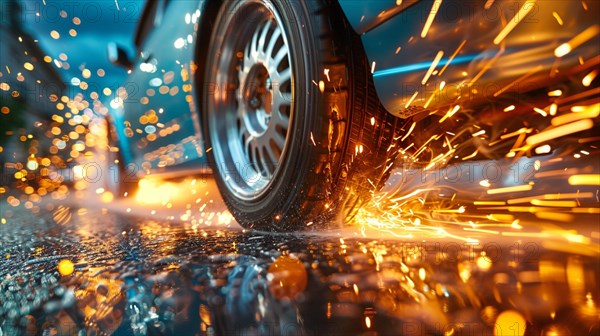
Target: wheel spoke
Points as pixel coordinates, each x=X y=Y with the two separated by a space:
x=240 y=109
x=281 y=99
x=284 y=76
x=263 y=36
x=278 y=118
x=276 y=35
x=270 y=161
x=247 y=59
x=254 y=43
x=243 y=131
x=280 y=55
x=249 y=146
x=279 y=140
x=281 y=120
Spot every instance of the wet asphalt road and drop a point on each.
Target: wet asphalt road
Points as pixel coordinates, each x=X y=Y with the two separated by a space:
x=135 y=276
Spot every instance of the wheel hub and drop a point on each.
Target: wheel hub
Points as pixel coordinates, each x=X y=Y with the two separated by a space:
x=258 y=96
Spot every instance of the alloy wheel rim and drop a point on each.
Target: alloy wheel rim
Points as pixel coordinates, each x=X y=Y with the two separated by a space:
x=252 y=106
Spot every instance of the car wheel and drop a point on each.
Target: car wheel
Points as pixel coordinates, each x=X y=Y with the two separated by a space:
x=294 y=131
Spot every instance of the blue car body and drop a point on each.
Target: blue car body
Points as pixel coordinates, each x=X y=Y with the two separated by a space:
x=156 y=110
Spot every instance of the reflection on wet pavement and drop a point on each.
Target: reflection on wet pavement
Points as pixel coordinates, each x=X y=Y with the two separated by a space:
x=105 y=274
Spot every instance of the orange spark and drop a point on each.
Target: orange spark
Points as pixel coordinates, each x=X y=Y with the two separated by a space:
x=560 y=131
x=435 y=62
x=434 y=9
x=576 y=41
x=525 y=187
x=525 y=9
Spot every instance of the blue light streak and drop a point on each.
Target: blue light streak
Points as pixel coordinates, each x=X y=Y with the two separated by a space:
x=422 y=66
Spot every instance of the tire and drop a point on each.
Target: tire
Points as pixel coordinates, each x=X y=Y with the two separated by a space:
x=286 y=164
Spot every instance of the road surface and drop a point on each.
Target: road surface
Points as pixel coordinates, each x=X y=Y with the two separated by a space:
x=77 y=270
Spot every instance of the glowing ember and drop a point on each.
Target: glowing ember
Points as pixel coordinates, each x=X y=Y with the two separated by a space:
x=66 y=267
